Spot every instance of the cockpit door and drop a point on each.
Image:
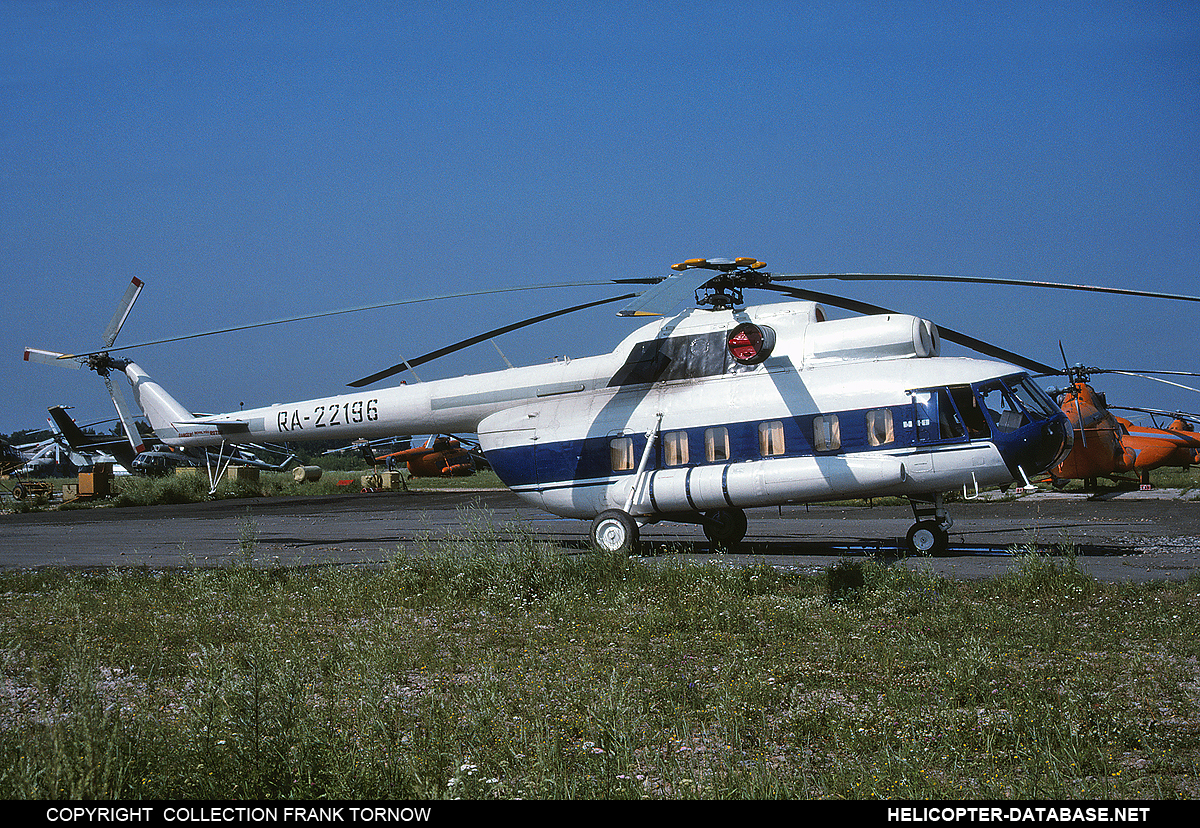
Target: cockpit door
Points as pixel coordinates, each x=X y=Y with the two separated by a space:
x=935 y=417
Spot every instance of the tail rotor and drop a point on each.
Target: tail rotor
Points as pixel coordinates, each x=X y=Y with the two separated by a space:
x=101 y=363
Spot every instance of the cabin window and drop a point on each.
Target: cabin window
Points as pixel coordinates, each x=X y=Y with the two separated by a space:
x=675 y=448
x=827 y=433
x=716 y=444
x=621 y=452
x=880 y=431
x=770 y=438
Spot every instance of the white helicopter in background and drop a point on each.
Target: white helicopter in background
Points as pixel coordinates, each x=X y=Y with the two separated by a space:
x=698 y=415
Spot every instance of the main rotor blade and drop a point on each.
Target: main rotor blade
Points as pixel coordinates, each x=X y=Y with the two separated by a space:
x=409 y=364
x=324 y=314
x=1078 y=409
x=1158 y=411
x=1143 y=371
x=1155 y=379
x=664 y=296
x=978 y=345
x=123 y=308
x=984 y=280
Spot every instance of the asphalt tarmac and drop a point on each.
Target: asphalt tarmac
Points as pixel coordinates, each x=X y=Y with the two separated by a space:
x=1131 y=536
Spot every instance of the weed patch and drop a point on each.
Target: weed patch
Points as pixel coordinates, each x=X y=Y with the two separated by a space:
x=479 y=668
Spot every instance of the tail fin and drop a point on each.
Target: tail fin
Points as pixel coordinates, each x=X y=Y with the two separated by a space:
x=160 y=408
x=76 y=439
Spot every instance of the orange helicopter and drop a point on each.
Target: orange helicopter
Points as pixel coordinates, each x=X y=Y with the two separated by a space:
x=1106 y=445
x=441 y=456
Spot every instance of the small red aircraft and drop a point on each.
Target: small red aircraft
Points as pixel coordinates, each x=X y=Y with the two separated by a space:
x=1106 y=445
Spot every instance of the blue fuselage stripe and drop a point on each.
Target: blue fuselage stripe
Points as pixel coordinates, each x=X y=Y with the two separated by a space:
x=588 y=460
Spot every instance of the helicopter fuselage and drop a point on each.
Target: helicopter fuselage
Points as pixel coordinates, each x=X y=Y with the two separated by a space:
x=859 y=407
x=681 y=419
x=1108 y=446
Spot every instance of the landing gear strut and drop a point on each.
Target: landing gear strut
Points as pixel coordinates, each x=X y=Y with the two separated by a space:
x=930 y=535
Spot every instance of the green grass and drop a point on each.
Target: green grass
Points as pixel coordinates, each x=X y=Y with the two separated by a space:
x=1187 y=480
x=475 y=668
x=192 y=487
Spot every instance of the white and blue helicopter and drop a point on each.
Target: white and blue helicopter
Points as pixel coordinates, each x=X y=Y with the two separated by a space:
x=700 y=414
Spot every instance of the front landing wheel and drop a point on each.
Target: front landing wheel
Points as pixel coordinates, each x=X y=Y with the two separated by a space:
x=927 y=537
x=615 y=532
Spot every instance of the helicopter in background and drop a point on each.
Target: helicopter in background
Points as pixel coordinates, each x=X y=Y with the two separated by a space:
x=1112 y=447
x=22 y=465
x=149 y=458
x=97 y=449
x=12 y=460
x=442 y=455
x=701 y=414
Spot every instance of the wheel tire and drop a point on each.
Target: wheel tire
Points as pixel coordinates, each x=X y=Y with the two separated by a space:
x=927 y=537
x=18 y=492
x=615 y=532
x=725 y=528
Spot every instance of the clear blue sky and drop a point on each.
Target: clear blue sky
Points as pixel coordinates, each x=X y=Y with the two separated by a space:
x=252 y=161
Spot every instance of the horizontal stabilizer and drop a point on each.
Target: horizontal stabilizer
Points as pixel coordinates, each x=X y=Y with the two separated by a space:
x=223 y=428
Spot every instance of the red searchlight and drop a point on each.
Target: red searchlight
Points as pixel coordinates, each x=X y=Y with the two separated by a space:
x=750 y=344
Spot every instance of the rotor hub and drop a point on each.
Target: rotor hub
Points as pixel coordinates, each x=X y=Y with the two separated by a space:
x=102 y=363
x=724 y=291
x=1081 y=373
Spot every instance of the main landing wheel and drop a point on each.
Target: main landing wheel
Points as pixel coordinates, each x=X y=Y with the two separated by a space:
x=927 y=537
x=724 y=528
x=615 y=532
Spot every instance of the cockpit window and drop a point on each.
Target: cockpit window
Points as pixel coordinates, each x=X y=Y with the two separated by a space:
x=1031 y=397
x=1003 y=408
x=678 y=357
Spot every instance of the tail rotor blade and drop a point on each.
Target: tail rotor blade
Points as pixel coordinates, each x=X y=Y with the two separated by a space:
x=123 y=309
x=51 y=358
x=126 y=415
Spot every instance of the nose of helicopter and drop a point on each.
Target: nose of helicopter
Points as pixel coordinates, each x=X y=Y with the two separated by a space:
x=1037 y=447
